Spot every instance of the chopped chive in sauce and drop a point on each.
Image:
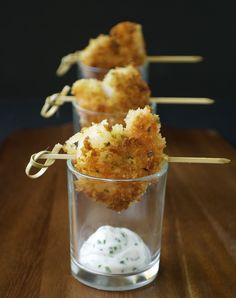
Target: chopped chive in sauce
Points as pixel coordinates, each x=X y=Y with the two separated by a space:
x=99 y=242
x=127 y=259
x=123 y=234
x=104 y=241
x=134 y=268
x=122 y=262
x=117 y=239
x=136 y=244
x=107 y=268
x=101 y=249
x=115 y=247
x=99 y=266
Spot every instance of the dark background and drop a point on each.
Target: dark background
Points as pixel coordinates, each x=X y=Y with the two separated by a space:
x=35 y=35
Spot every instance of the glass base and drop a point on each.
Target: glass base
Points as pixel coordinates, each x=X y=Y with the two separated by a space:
x=115 y=282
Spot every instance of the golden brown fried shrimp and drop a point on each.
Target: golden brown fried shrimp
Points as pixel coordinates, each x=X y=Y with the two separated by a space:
x=91 y=95
x=126 y=88
x=117 y=196
x=101 y=52
x=131 y=43
x=122 y=89
x=118 y=152
x=125 y=45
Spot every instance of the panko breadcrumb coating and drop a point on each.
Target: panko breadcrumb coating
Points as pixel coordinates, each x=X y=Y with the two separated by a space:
x=126 y=89
x=90 y=95
x=101 y=52
x=118 y=152
x=129 y=36
x=122 y=89
x=125 y=45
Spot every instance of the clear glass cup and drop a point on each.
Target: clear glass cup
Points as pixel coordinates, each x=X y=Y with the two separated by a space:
x=85 y=71
x=87 y=214
x=85 y=118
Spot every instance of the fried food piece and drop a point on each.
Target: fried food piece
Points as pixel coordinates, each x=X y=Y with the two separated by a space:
x=101 y=52
x=91 y=96
x=118 y=152
x=126 y=89
x=122 y=89
x=125 y=45
x=116 y=196
x=131 y=43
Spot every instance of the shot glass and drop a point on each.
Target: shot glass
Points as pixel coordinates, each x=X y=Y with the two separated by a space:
x=85 y=118
x=86 y=72
x=110 y=250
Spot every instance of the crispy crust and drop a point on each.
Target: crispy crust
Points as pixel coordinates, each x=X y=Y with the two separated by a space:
x=101 y=52
x=118 y=152
x=129 y=36
x=125 y=45
x=90 y=95
x=122 y=89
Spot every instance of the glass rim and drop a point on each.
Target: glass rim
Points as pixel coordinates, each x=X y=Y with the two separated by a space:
x=78 y=107
x=97 y=69
x=158 y=174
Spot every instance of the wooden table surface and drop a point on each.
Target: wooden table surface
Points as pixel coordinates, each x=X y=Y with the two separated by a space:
x=198 y=244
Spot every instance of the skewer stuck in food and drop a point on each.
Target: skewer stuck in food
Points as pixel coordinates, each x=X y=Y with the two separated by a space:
x=123 y=46
x=122 y=89
x=129 y=151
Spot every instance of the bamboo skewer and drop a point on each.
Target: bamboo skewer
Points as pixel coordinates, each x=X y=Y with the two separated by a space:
x=174 y=59
x=54 y=101
x=182 y=100
x=208 y=160
x=160 y=100
x=174 y=159
x=53 y=155
x=72 y=58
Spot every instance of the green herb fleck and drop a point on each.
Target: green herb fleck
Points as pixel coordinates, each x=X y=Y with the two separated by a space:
x=123 y=234
x=136 y=244
x=104 y=241
x=122 y=262
x=107 y=268
x=99 y=241
x=115 y=247
x=117 y=239
x=134 y=268
x=99 y=266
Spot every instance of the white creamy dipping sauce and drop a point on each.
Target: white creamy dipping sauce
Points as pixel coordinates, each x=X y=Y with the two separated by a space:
x=114 y=250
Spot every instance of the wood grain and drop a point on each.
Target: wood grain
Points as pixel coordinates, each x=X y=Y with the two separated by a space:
x=198 y=247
